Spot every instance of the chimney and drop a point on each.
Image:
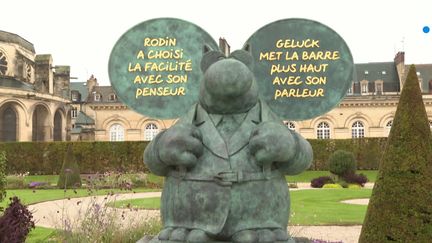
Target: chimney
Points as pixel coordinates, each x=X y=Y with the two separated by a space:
x=399 y=61
x=91 y=82
x=224 y=46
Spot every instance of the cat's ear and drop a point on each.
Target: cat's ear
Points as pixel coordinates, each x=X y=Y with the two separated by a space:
x=247 y=47
x=207 y=48
x=210 y=56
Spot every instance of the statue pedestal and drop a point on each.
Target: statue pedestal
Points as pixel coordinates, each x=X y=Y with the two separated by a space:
x=149 y=239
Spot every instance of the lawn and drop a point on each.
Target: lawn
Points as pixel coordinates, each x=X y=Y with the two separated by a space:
x=39 y=235
x=309 y=207
x=29 y=196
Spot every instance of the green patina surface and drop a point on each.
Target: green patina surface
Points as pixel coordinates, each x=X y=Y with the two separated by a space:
x=178 y=42
x=285 y=36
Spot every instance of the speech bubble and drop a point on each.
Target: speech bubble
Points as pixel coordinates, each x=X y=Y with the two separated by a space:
x=154 y=67
x=303 y=68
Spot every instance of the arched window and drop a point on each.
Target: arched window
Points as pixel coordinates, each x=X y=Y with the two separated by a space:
x=388 y=127
x=3 y=64
x=58 y=126
x=323 y=130
x=116 y=133
x=430 y=124
x=8 y=122
x=357 y=130
x=389 y=124
x=290 y=125
x=150 y=132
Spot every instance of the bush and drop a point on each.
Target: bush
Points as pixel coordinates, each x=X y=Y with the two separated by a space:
x=39 y=185
x=342 y=163
x=69 y=175
x=332 y=186
x=355 y=179
x=139 y=180
x=2 y=176
x=16 y=222
x=354 y=186
x=15 y=182
x=321 y=181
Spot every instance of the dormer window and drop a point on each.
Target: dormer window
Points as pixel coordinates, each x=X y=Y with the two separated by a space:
x=379 y=84
x=364 y=86
x=97 y=96
x=351 y=89
x=113 y=97
x=75 y=96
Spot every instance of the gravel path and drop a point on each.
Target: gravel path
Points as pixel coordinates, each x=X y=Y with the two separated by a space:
x=51 y=214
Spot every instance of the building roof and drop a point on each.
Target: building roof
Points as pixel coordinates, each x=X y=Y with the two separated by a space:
x=105 y=95
x=373 y=71
x=14 y=38
x=84 y=119
x=76 y=130
x=9 y=82
x=425 y=73
x=81 y=87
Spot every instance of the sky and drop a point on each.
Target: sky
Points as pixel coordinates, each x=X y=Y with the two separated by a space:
x=82 y=33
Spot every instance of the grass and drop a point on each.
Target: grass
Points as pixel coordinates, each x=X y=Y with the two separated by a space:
x=323 y=207
x=51 y=179
x=29 y=196
x=148 y=203
x=307 y=176
x=308 y=207
x=39 y=235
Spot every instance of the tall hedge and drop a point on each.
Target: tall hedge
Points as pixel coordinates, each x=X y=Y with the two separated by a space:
x=2 y=177
x=92 y=157
x=400 y=209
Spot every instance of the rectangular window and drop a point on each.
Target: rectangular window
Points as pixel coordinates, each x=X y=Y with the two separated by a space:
x=379 y=89
x=74 y=113
x=364 y=88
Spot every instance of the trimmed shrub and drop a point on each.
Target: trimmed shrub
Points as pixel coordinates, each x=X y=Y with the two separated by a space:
x=99 y=157
x=2 y=177
x=332 y=186
x=355 y=179
x=42 y=158
x=342 y=163
x=69 y=173
x=400 y=208
x=354 y=186
x=16 y=222
x=321 y=181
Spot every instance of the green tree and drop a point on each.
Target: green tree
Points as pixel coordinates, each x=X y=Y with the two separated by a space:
x=400 y=209
x=69 y=175
x=342 y=163
x=2 y=176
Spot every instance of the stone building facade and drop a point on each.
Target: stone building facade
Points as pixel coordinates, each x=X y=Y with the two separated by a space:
x=97 y=114
x=367 y=110
x=34 y=94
